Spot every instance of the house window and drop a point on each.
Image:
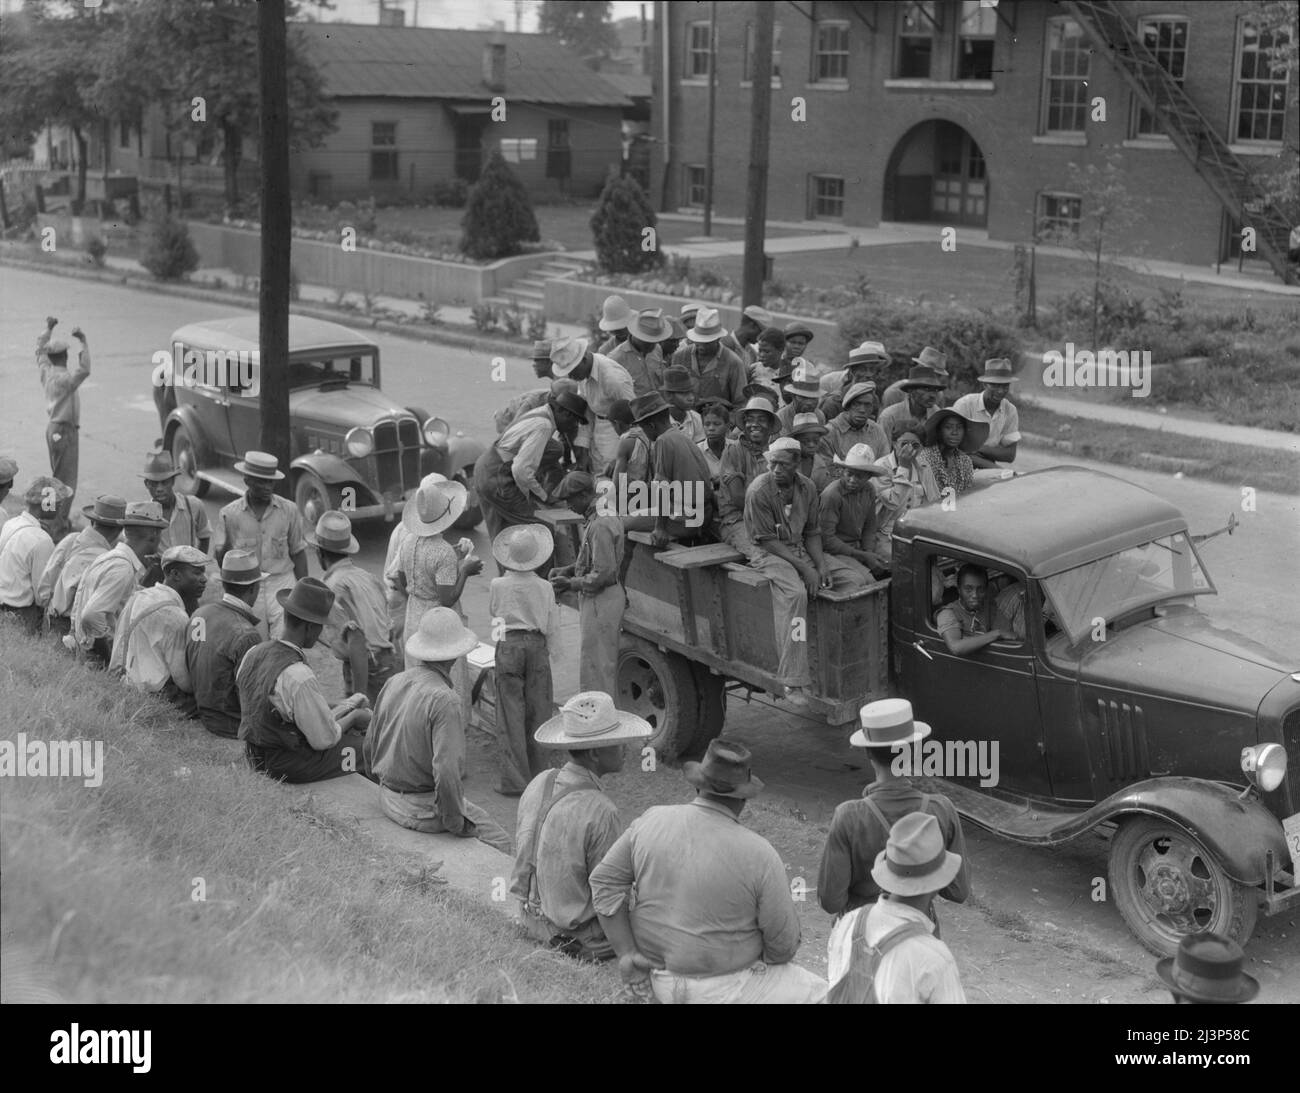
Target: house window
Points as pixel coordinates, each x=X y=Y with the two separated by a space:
x=747 y=75
x=827 y=194
x=1059 y=215
x=383 y=151
x=1261 y=84
x=697 y=51
x=916 y=28
x=975 y=37
x=695 y=184
x=831 y=52
x=518 y=149
x=123 y=133
x=559 y=158
x=1065 y=75
x=1166 y=38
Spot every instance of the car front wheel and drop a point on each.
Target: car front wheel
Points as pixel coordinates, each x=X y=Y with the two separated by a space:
x=312 y=497
x=185 y=461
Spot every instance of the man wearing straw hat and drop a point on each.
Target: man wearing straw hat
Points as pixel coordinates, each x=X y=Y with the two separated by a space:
x=1207 y=970
x=522 y=608
x=713 y=920
x=218 y=636
x=416 y=744
x=864 y=362
x=992 y=405
x=567 y=824
x=601 y=382
x=615 y=315
x=187 y=518
x=848 y=515
x=891 y=941
x=717 y=370
x=802 y=392
x=72 y=555
x=641 y=355
x=268 y=526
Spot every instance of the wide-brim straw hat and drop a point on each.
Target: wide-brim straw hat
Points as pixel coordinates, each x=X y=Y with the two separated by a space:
x=590 y=720
x=241 y=567
x=861 y=457
x=310 y=600
x=260 y=465
x=725 y=771
x=435 y=507
x=333 y=533
x=915 y=862
x=650 y=326
x=888 y=723
x=977 y=432
x=567 y=354
x=523 y=547
x=441 y=636
x=1207 y=968
x=708 y=326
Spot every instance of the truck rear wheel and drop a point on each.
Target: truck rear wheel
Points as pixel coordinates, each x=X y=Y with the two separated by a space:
x=659 y=687
x=1167 y=884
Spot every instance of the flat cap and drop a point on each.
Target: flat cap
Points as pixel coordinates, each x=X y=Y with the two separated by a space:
x=183 y=555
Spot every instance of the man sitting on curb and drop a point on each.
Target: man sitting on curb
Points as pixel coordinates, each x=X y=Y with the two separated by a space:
x=25 y=550
x=567 y=824
x=72 y=555
x=218 y=637
x=713 y=920
x=288 y=728
x=416 y=744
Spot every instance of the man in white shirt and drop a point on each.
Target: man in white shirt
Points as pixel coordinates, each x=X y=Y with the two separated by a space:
x=992 y=405
x=8 y=472
x=25 y=548
x=72 y=555
x=602 y=382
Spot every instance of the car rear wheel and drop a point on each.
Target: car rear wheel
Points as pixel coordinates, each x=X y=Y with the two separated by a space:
x=312 y=497
x=659 y=687
x=186 y=461
x=1167 y=884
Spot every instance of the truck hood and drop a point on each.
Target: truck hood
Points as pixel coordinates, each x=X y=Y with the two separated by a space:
x=1186 y=656
x=346 y=407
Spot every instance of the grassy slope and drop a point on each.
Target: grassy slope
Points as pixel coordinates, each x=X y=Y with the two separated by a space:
x=299 y=907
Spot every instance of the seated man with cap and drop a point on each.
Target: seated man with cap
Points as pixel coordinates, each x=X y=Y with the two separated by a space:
x=416 y=743
x=854 y=424
x=801 y=392
x=679 y=392
x=814 y=455
x=743 y=460
x=930 y=359
x=797 y=338
x=641 y=354
x=567 y=824
x=1207 y=970
x=289 y=731
x=186 y=516
x=718 y=372
x=713 y=920
x=864 y=362
x=848 y=515
x=677 y=503
x=72 y=554
x=25 y=550
x=359 y=624
x=601 y=382
x=860 y=828
x=216 y=640
x=149 y=643
x=922 y=391
x=109 y=581
x=913 y=965
x=615 y=314
x=753 y=321
x=268 y=526
x=991 y=404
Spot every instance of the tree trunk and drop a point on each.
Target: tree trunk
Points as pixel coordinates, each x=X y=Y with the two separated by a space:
x=1096 y=283
x=233 y=141
x=79 y=199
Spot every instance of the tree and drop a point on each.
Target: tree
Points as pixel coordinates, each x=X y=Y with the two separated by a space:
x=1279 y=22
x=582 y=25
x=498 y=216
x=619 y=228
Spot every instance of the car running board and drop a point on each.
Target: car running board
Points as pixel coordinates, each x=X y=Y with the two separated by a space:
x=1011 y=816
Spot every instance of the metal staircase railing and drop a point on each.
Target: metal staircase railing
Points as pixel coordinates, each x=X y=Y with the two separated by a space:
x=1189 y=129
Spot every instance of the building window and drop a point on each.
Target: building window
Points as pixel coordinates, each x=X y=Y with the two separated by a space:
x=747 y=75
x=1261 y=84
x=1166 y=38
x=695 y=184
x=827 y=193
x=559 y=157
x=697 y=51
x=831 y=52
x=975 y=37
x=1065 y=75
x=1059 y=215
x=518 y=149
x=916 y=26
x=123 y=133
x=383 y=151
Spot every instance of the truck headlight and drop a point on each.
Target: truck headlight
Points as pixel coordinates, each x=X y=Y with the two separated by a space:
x=360 y=442
x=436 y=431
x=1265 y=765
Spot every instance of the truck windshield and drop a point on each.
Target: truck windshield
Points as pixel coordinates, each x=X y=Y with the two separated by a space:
x=341 y=371
x=1113 y=586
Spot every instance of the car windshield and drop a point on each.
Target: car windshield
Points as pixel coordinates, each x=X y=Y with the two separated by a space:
x=1113 y=586
x=341 y=371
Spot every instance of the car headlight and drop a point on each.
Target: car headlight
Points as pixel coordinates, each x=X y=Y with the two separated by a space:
x=1265 y=765
x=436 y=431
x=359 y=442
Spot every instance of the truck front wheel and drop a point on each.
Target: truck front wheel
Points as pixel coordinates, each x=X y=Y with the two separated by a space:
x=659 y=687
x=1167 y=884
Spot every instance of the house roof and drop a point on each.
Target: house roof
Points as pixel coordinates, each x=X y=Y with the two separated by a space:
x=435 y=63
x=630 y=84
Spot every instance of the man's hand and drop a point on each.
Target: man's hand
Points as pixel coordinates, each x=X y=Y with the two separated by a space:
x=811 y=578
x=468 y=830
x=660 y=537
x=51 y=322
x=76 y=333
x=471 y=566
x=634 y=969
x=561 y=584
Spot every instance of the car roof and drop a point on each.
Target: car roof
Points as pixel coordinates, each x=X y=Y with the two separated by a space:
x=1048 y=521
x=240 y=333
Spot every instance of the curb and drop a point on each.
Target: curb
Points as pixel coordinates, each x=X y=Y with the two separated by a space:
x=1149 y=461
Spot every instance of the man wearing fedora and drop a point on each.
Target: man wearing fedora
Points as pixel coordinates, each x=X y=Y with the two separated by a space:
x=854 y=424
x=25 y=550
x=677 y=468
x=601 y=382
x=679 y=392
x=110 y=579
x=688 y=314
x=359 y=626
x=860 y=828
x=718 y=372
x=71 y=557
x=289 y=731
x=567 y=824
x=641 y=355
x=522 y=608
x=922 y=391
x=931 y=359
x=864 y=362
x=186 y=516
x=713 y=920
x=991 y=404
x=416 y=744
x=595 y=578
x=848 y=515
x=801 y=392
x=62 y=402
x=615 y=315
x=268 y=526
x=911 y=966
x=1207 y=969
x=216 y=640
x=149 y=642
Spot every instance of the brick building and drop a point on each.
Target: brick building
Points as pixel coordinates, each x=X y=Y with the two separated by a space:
x=971 y=114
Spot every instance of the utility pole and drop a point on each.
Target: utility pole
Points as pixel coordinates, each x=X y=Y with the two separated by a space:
x=759 y=137
x=713 y=104
x=277 y=233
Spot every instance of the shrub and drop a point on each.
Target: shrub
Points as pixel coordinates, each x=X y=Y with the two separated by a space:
x=1118 y=310
x=451 y=194
x=169 y=252
x=96 y=248
x=535 y=328
x=679 y=267
x=499 y=217
x=366 y=223
x=512 y=320
x=484 y=317
x=618 y=226
x=711 y=279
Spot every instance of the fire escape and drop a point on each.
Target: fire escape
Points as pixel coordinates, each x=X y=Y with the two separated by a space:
x=1189 y=129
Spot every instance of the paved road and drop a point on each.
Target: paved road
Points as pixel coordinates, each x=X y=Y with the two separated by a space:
x=1254 y=569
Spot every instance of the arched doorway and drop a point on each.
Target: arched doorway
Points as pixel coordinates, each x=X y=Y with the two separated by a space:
x=937 y=173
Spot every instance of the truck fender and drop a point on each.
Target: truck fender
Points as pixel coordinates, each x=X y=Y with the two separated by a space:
x=1237 y=832
x=185 y=415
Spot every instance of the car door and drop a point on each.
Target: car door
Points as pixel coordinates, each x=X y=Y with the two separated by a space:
x=245 y=410
x=210 y=403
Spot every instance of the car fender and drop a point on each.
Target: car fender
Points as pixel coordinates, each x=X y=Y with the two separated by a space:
x=464 y=452
x=187 y=416
x=330 y=469
x=1237 y=831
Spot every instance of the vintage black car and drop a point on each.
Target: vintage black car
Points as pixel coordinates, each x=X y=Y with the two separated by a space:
x=352 y=448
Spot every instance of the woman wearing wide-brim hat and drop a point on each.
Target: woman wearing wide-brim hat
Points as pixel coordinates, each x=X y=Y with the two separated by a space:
x=948 y=438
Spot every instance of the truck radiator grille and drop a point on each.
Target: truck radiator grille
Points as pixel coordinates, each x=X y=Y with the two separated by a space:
x=1124 y=740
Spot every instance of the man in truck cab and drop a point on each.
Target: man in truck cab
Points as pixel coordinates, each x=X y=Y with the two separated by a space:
x=972 y=621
